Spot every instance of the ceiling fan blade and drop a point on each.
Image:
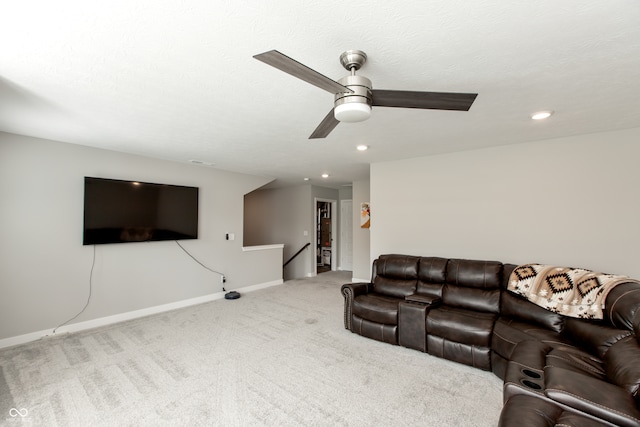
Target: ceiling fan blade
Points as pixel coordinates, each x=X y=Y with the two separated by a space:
x=431 y=100
x=325 y=127
x=284 y=63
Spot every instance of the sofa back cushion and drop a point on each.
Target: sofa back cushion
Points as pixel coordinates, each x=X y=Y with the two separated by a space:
x=396 y=275
x=519 y=308
x=432 y=272
x=474 y=274
x=593 y=336
x=473 y=285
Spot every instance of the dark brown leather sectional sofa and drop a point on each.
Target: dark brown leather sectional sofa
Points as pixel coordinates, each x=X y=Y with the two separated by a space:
x=557 y=370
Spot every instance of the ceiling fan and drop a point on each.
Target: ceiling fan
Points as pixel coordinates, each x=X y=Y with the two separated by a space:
x=354 y=95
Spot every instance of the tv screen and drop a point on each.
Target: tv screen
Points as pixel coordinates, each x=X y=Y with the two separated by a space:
x=118 y=211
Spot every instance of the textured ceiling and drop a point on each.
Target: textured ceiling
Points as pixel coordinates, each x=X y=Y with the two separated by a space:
x=175 y=79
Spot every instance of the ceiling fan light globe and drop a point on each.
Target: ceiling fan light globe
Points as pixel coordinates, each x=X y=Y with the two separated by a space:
x=352 y=112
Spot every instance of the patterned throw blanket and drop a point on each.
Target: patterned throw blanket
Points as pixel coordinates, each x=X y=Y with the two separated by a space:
x=568 y=291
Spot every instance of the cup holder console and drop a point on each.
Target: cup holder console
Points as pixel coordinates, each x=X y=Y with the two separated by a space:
x=529 y=381
x=531 y=374
x=531 y=384
x=523 y=379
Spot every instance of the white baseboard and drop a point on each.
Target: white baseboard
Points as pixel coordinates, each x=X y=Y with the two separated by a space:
x=261 y=286
x=23 y=339
x=356 y=280
x=109 y=320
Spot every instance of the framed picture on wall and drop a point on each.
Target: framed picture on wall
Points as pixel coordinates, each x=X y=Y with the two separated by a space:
x=365 y=215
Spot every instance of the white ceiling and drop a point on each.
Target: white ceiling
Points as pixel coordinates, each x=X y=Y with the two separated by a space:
x=175 y=79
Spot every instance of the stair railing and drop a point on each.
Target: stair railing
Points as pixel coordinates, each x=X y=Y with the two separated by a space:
x=296 y=254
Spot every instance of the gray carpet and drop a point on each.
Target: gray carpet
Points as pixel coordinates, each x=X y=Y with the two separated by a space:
x=278 y=356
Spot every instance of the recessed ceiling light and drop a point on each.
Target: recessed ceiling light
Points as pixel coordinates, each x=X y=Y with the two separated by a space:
x=307 y=179
x=540 y=115
x=325 y=175
x=362 y=147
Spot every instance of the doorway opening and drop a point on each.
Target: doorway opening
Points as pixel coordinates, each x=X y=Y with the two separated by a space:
x=325 y=248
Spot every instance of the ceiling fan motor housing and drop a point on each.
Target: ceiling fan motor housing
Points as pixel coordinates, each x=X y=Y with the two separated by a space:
x=355 y=106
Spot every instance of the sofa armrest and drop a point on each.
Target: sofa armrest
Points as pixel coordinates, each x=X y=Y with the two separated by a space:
x=349 y=292
x=525 y=369
x=591 y=395
x=358 y=288
x=531 y=354
x=433 y=301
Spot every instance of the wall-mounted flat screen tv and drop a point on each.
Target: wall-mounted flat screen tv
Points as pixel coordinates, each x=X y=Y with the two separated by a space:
x=117 y=211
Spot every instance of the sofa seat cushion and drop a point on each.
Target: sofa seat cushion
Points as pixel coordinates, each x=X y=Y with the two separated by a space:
x=472 y=355
x=574 y=359
x=527 y=411
x=507 y=333
x=377 y=308
x=375 y=330
x=598 y=398
x=622 y=363
x=459 y=325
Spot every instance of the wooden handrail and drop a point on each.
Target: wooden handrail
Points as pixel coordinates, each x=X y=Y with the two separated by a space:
x=296 y=254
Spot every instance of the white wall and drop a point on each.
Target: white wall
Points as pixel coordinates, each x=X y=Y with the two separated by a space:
x=344 y=194
x=570 y=201
x=361 y=236
x=282 y=215
x=44 y=269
